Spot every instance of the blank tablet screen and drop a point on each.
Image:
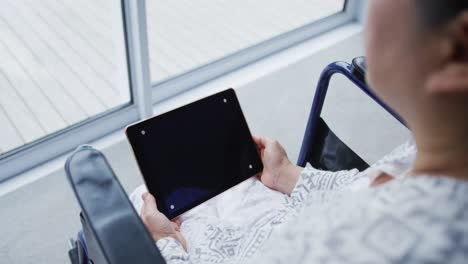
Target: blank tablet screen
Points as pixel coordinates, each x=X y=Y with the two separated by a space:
x=195 y=152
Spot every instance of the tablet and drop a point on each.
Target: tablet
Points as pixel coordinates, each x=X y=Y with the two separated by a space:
x=193 y=153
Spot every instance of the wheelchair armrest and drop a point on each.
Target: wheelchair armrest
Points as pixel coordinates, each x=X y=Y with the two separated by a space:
x=114 y=225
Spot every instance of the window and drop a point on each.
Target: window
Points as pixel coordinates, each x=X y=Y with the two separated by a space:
x=184 y=35
x=74 y=71
x=60 y=66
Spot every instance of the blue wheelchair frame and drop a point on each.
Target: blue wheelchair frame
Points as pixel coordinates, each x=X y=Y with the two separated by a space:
x=355 y=72
x=89 y=245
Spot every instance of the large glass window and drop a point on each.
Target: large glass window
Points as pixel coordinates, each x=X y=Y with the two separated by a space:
x=73 y=71
x=185 y=34
x=59 y=65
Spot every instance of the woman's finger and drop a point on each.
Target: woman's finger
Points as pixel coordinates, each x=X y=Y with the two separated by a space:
x=261 y=144
x=149 y=205
x=177 y=221
x=259 y=150
x=175 y=226
x=259 y=141
x=149 y=196
x=259 y=176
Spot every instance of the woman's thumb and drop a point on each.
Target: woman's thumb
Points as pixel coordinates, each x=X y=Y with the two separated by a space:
x=149 y=203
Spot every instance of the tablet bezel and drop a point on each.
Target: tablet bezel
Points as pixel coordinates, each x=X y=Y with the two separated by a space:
x=229 y=93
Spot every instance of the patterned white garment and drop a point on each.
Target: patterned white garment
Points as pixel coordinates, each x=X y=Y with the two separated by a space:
x=331 y=218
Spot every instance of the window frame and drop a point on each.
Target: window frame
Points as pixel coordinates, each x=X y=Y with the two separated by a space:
x=30 y=155
x=144 y=94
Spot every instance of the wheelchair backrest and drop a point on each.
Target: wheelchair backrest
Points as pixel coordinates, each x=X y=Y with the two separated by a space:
x=113 y=230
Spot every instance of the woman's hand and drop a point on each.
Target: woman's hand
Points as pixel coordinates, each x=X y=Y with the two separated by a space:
x=157 y=223
x=278 y=173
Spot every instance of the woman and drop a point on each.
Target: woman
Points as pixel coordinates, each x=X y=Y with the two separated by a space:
x=415 y=210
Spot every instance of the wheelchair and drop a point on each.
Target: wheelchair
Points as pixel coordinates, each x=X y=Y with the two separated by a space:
x=112 y=230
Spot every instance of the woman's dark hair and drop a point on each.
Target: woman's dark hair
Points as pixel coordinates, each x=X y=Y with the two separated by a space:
x=435 y=13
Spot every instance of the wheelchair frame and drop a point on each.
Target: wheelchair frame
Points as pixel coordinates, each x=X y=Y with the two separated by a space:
x=356 y=73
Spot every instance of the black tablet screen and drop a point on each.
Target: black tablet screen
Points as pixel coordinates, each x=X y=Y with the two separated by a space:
x=195 y=152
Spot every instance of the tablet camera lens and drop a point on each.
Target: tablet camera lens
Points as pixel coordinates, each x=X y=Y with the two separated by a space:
x=250 y=166
x=143 y=132
x=225 y=100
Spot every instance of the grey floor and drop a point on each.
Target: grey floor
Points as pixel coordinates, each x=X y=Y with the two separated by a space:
x=37 y=219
